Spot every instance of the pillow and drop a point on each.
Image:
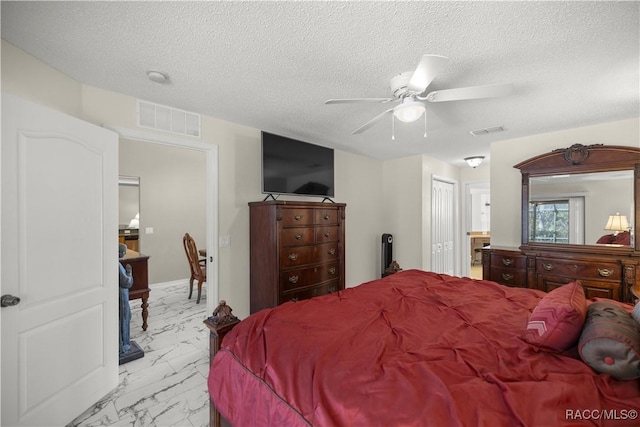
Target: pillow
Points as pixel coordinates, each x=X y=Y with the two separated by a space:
x=623 y=238
x=557 y=320
x=610 y=341
x=635 y=313
x=607 y=239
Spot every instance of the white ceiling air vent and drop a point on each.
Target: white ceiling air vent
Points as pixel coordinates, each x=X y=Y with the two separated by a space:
x=486 y=131
x=161 y=117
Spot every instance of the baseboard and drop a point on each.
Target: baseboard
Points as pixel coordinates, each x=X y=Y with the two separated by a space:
x=179 y=282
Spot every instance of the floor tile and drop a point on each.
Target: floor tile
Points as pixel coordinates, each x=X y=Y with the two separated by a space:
x=168 y=386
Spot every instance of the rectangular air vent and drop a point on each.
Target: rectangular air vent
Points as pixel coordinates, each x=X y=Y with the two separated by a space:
x=161 y=117
x=486 y=131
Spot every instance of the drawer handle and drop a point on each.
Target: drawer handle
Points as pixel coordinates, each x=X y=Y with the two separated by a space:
x=293 y=257
x=332 y=270
x=293 y=279
x=297 y=217
x=507 y=276
x=332 y=251
x=332 y=289
x=327 y=234
x=298 y=236
x=294 y=299
x=605 y=272
x=326 y=216
x=547 y=267
x=507 y=261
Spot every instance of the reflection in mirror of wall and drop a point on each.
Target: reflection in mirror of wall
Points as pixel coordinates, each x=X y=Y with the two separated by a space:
x=129 y=211
x=575 y=208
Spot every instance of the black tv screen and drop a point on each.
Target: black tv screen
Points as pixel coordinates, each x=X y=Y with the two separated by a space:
x=290 y=166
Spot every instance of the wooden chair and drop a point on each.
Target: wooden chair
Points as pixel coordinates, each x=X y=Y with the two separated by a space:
x=197 y=266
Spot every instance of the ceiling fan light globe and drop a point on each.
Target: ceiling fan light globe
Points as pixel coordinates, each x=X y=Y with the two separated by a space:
x=409 y=111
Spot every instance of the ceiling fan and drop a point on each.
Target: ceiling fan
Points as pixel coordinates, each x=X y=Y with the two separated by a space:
x=408 y=87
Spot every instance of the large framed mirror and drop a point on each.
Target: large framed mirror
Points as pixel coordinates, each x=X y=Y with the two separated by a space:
x=582 y=196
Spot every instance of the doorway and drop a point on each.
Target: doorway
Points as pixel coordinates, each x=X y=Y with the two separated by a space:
x=210 y=152
x=477 y=221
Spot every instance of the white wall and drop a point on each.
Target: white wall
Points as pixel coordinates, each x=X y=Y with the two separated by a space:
x=506 y=180
x=359 y=185
x=407 y=207
x=402 y=204
x=31 y=79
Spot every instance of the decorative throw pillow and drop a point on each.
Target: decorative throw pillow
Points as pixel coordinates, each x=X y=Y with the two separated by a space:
x=610 y=341
x=636 y=312
x=557 y=320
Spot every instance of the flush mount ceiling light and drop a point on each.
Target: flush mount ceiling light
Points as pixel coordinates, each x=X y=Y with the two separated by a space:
x=157 y=76
x=409 y=111
x=474 y=161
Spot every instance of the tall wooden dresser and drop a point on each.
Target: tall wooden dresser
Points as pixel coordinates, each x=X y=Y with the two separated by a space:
x=297 y=251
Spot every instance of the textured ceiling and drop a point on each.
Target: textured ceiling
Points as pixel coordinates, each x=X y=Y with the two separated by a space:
x=271 y=65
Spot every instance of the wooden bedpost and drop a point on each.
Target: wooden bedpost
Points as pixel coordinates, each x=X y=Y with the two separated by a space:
x=219 y=324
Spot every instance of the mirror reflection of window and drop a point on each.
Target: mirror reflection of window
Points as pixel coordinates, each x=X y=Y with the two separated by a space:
x=549 y=221
x=129 y=212
x=557 y=221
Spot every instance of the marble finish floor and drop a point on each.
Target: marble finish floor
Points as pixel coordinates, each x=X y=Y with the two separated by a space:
x=168 y=386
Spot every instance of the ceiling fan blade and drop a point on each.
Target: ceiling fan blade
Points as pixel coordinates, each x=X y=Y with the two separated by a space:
x=472 y=92
x=373 y=121
x=359 y=100
x=426 y=71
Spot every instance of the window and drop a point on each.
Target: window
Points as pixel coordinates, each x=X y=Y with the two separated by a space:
x=550 y=222
x=557 y=221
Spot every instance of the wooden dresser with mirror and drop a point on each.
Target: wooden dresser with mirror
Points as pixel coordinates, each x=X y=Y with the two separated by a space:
x=572 y=202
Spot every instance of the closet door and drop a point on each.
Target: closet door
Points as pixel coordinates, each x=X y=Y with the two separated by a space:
x=443 y=226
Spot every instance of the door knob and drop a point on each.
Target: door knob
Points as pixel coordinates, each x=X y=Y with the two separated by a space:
x=9 y=300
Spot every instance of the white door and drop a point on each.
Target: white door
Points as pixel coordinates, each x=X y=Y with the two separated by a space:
x=443 y=227
x=59 y=256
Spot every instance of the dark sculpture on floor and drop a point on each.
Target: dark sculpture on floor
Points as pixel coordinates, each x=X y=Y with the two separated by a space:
x=129 y=350
x=126 y=281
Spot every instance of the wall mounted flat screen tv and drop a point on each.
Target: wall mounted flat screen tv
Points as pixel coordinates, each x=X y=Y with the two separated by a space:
x=290 y=166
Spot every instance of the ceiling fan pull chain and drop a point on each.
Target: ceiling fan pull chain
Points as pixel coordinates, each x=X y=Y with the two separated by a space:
x=425 y=124
x=393 y=127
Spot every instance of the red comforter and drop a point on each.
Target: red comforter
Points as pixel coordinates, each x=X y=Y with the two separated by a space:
x=413 y=349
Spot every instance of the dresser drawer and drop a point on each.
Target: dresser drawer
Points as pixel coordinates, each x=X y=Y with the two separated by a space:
x=327 y=234
x=591 y=288
x=292 y=217
x=293 y=256
x=316 y=291
x=579 y=269
x=326 y=216
x=508 y=261
x=297 y=235
x=302 y=277
x=509 y=276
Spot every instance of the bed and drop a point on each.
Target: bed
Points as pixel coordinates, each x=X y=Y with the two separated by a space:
x=412 y=349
